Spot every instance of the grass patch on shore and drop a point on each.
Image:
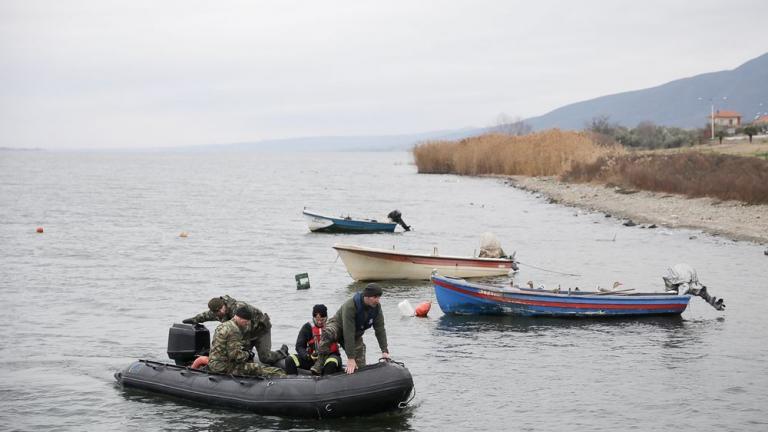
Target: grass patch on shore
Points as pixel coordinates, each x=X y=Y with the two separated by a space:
x=690 y=173
x=545 y=153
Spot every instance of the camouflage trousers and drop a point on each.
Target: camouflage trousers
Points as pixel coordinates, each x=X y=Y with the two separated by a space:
x=261 y=339
x=256 y=369
x=330 y=335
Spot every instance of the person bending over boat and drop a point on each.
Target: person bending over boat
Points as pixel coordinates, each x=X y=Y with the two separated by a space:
x=258 y=332
x=347 y=326
x=227 y=353
x=307 y=346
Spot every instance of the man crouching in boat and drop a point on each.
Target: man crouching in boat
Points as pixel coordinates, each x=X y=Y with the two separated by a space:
x=227 y=353
x=353 y=318
x=307 y=345
x=257 y=334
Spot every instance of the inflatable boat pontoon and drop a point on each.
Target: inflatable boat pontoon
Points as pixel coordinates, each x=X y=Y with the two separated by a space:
x=383 y=386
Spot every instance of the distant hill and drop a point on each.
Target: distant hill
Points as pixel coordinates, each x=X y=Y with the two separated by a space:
x=673 y=104
x=342 y=143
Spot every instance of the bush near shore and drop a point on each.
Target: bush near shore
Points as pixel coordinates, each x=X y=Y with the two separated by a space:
x=691 y=173
x=540 y=154
x=578 y=157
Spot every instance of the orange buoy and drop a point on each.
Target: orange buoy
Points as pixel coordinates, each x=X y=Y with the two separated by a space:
x=39 y=230
x=423 y=309
x=183 y=234
x=200 y=362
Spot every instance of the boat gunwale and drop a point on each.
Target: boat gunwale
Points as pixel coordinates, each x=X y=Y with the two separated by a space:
x=369 y=250
x=343 y=220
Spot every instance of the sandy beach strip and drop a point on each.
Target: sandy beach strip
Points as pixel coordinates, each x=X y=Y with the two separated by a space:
x=731 y=219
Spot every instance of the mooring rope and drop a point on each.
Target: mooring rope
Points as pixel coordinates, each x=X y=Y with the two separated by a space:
x=548 y=270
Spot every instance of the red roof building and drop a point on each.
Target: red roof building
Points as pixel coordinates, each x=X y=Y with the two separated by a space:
x=728 y=119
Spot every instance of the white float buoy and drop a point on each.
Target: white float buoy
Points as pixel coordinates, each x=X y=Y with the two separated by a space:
x=405 y=308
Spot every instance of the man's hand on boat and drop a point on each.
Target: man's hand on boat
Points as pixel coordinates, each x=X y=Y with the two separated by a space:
x=352 y=364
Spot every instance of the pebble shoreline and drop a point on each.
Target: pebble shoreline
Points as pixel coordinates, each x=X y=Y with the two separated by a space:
x=731 y=219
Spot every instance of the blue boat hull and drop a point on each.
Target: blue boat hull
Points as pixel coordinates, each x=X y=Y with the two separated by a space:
x=457 y=296
x=326 y=224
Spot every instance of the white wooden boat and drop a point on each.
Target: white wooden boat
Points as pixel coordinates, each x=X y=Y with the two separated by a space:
x=365 y=264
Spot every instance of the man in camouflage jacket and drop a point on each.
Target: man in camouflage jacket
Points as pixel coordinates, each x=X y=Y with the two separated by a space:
x=257 y=333
x=227 y=353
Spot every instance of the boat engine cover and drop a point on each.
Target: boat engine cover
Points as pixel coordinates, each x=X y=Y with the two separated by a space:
x=187 y=341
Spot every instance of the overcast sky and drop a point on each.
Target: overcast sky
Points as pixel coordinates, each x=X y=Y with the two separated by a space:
x=137 y=74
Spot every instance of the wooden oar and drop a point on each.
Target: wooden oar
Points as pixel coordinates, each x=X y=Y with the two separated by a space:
x=615 y=292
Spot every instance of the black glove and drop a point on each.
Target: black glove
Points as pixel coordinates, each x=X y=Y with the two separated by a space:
x=251 y=355
x=189 y=321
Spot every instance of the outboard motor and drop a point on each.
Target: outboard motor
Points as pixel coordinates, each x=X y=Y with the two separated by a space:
x=682 y=278
x=396 y=216
x=187 y=341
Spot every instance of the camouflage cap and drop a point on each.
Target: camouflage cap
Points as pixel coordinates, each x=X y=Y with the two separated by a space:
x=215 y=304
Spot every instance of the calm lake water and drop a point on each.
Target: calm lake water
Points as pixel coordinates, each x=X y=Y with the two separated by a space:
x=110 y=274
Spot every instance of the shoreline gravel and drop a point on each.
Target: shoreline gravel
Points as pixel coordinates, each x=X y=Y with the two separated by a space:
x=731 y=219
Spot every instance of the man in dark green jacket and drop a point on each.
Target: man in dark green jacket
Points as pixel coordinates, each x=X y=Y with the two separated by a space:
x=257 y=333
x=353 y=318
x=227 y=353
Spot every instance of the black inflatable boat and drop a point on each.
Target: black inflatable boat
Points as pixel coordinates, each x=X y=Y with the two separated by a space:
x=374 y=388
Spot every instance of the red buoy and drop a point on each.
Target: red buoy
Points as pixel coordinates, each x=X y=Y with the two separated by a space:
x=423 y=309
x=39 y=230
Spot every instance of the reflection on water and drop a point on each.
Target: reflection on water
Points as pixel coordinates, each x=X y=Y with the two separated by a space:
x=199 y=416
x=392 y=287
x=462 y=324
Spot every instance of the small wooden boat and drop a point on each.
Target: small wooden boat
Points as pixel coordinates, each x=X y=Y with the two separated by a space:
x=346 y=224
x=364 y=264
x=457 y=296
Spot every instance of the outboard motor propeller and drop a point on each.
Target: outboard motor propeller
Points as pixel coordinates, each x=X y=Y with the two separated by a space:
x=683 y=279
x=716 y=303
x=396 y=216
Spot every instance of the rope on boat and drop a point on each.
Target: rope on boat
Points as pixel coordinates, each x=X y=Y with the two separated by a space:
x=548 y=270
x=334 y=262
x=404 y=404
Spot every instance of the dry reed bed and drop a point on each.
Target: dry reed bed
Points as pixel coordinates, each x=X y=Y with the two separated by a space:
x=694 y=174
x=541 y=154
x=575 y=157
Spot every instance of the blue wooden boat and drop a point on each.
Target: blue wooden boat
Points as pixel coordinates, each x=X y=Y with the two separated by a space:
x=322 y=223
x=457 y=296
